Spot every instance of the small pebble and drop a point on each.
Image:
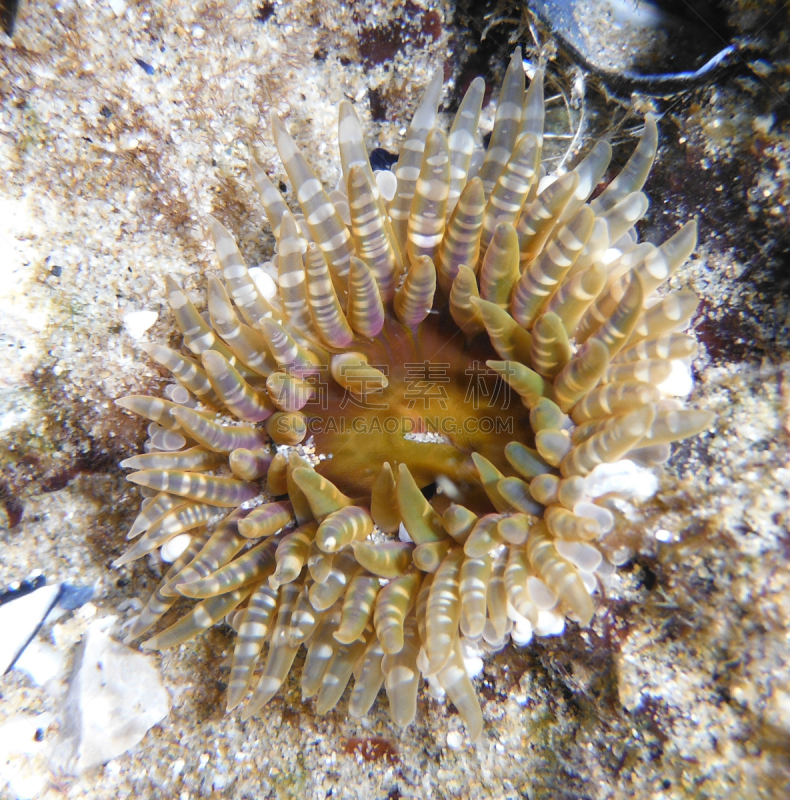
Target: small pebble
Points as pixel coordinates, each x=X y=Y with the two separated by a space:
x=763 y=123
x=455 y=740
x=72 y=597
x=145 y=66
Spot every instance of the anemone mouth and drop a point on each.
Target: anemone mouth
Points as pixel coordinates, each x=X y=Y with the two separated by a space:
x=442 y=403
x=477 y=325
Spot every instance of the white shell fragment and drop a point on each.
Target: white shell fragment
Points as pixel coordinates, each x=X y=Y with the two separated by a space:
x=455 y=740
x=387 y=183
x=137 y=323
x=115 y=695
x=403 y=534
x=550 y=623
x=173 y=548
x=263 y=281
x=622 y=477
x=679 y=383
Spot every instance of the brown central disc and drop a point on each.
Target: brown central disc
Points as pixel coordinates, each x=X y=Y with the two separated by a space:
x=442 y=404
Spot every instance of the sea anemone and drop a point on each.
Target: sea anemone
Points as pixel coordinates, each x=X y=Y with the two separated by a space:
x=350 y=403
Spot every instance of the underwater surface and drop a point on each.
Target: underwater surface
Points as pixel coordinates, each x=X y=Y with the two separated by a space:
x=124 y=126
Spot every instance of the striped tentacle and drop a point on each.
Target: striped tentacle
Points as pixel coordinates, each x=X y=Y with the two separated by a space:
x=353 y=157
x=512 y=187
x=383 y=500
x=571 y=301
x=672 y=313
x=540 y=217
x=254 y=627
x=280 y=656
x=590 y=170
x=288 y=392
x=507 y=123
x=461 y=139
x=460 y=245
x=195 y=459
x=291 y=277
x=365 y=310
x=326 y=227
x=266 y=520
x=581 y=374
x=414 y=299
x=249 y=465
x=369 y=230
x=509 y=339
x=325 y=593
x=500 y=269
x=634 y=174
x=237 y=395
x=665 y=345
x=407 y=170
x=216 y=437
x=178 y=520
x=444 y=610
x=353 y=372
x=159 y=604
x=462 y=307
x=546 y=273
x=341 y=527
x=154 y=408
x=272 y=200
x=199 y=619
x=428 y=209
x=393 y=604
x=623 y=216
x=289 y=354
x=560 y=575
x=186 y=371
x=551 y=349
x=322 y=495
x=324 y=308
x=368 y=679
x=211 y=489
x=524 y=381
x=242 y=289
x=533 y=116
x=246 y=343
x=422 y=522
x=219 y=549
x=251 y=567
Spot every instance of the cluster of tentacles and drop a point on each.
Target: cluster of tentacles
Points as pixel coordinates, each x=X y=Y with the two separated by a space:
x=396 y=553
